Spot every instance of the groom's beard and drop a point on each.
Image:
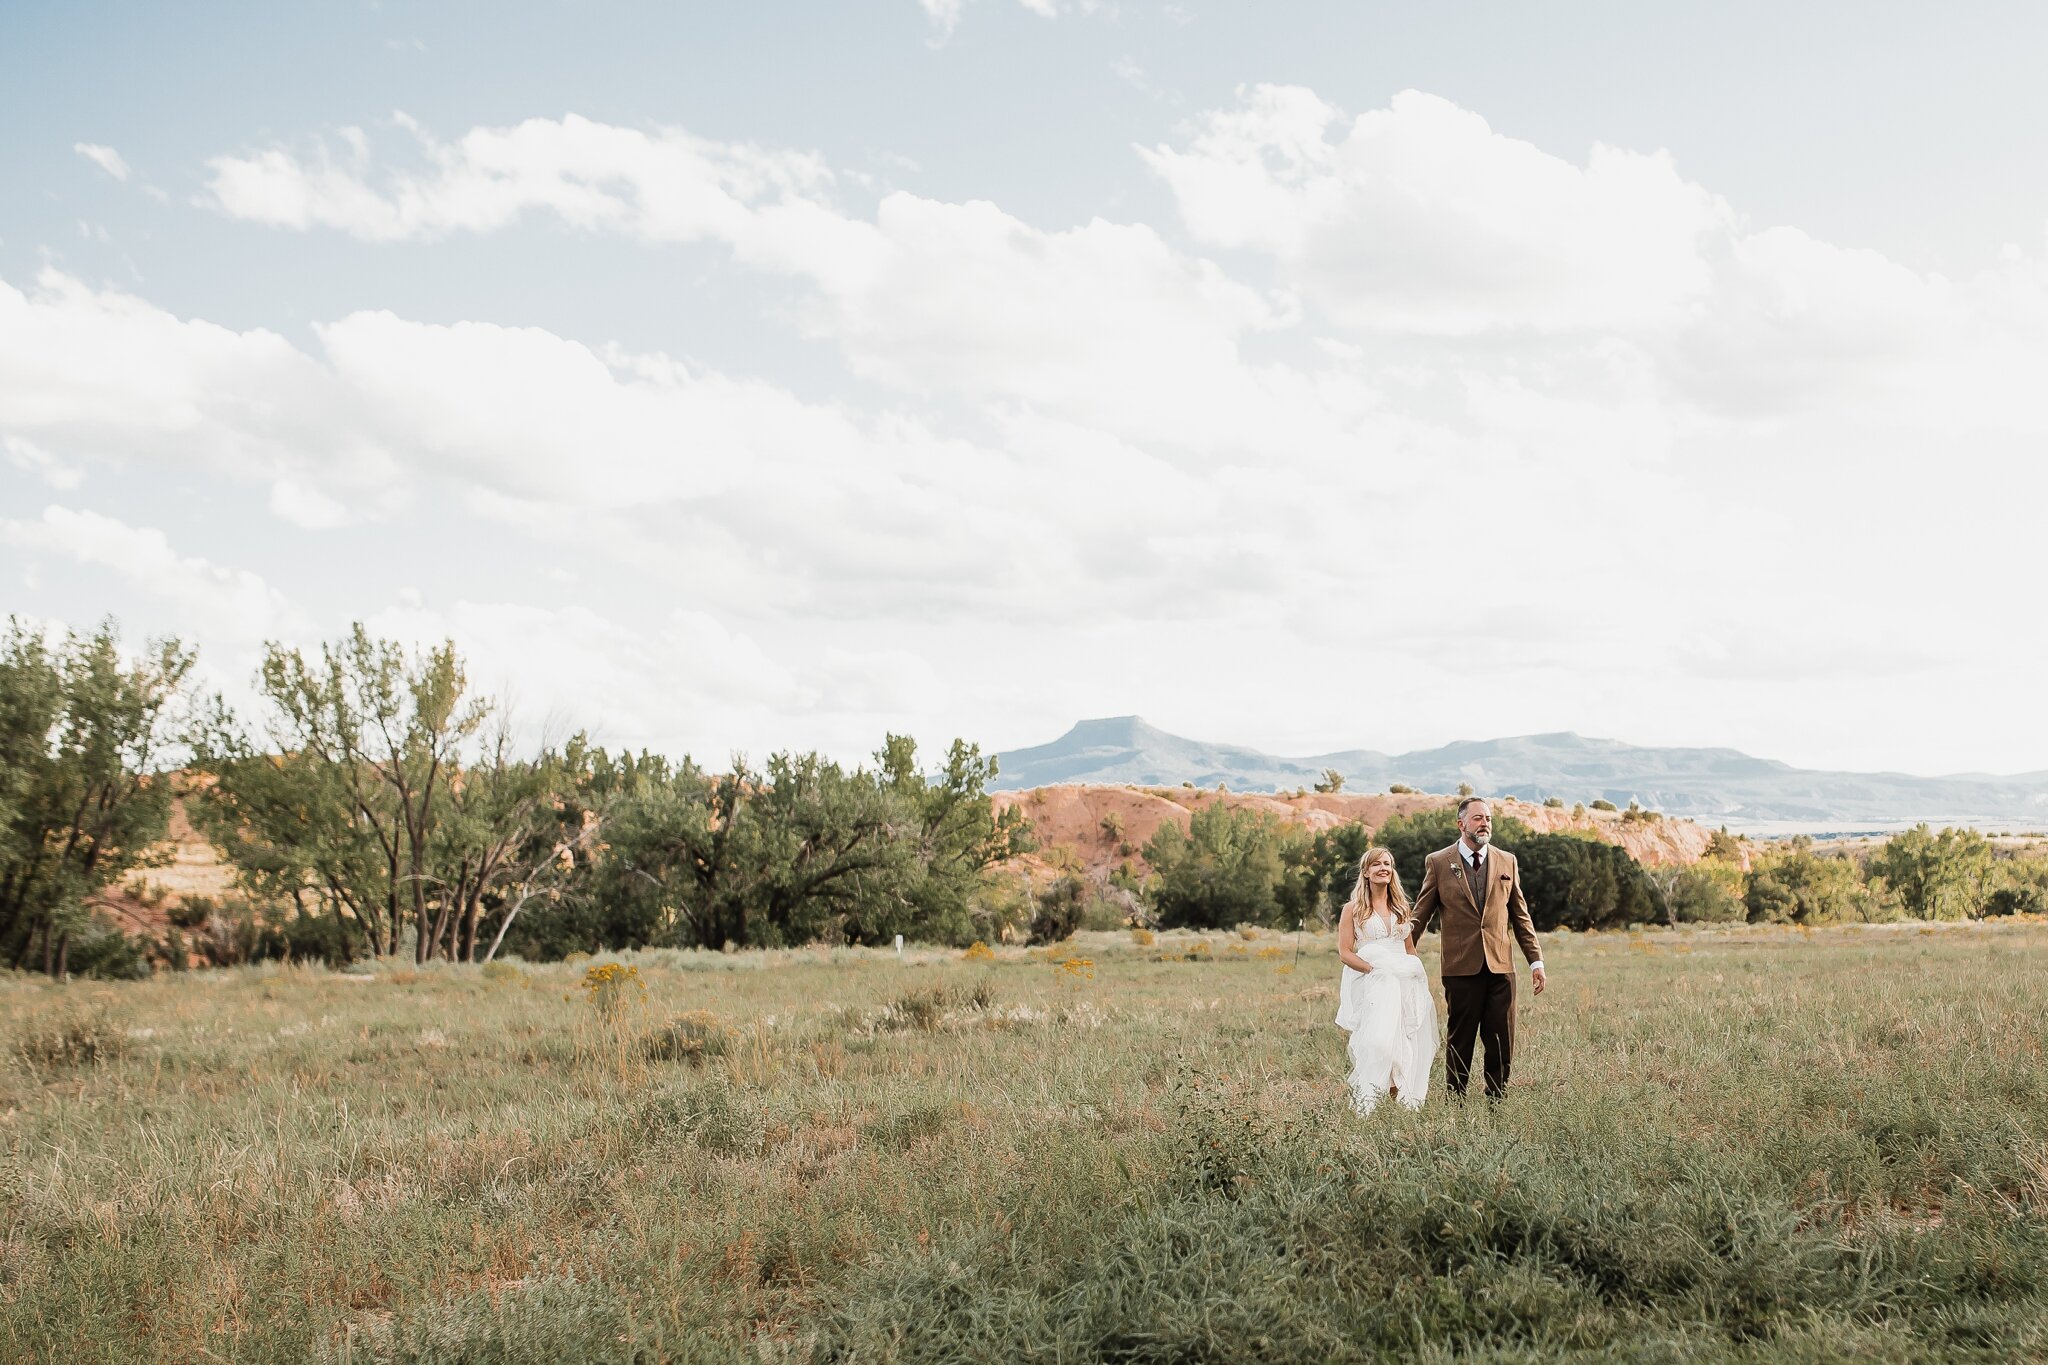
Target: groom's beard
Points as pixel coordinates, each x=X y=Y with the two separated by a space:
x=1479 y=840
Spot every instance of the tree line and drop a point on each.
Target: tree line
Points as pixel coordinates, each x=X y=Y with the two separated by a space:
x=1237 y=866
x=380 y=807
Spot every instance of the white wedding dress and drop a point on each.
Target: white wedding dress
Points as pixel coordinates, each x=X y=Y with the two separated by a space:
x=1392 y=1018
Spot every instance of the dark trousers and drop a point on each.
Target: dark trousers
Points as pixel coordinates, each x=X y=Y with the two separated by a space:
x=1482 y=1005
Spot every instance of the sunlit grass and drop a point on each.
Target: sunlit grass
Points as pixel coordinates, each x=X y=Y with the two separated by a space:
x=1740 y=1144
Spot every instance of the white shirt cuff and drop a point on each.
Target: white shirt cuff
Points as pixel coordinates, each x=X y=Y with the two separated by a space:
x=1536 y=966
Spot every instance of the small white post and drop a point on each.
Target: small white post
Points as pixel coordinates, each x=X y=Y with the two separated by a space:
x=899 y=945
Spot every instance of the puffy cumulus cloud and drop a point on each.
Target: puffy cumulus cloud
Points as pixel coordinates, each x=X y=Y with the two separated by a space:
x=1798 y=325
x=1574 y=396
x=1420 y=221
x=106 y=158
x=677 y=472
x=223 y=604
x=1105 y=322
x=101 y=374
x=1420 y=217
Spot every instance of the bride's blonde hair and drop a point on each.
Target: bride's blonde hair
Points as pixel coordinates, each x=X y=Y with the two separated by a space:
x=1361 y=891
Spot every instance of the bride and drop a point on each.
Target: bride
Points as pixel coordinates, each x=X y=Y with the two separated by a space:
x=1384 y=999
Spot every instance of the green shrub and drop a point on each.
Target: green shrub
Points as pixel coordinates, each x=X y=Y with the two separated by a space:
x=1603 y=805
x=1795 y=885
x=1229 y=867
x=1707 y=892
x=107 y=954
x=1058 y=908
x=192 y=911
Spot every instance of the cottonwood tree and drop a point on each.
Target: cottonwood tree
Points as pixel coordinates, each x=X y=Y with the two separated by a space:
x=345 y=802
x=1937 y=876
x=84 y=798
x=958 y=836
x=1229 y=867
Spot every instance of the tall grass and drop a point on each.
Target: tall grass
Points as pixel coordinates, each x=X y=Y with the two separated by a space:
x=1719 y=1145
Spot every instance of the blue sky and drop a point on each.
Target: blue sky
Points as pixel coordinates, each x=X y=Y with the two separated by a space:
x=771 y=375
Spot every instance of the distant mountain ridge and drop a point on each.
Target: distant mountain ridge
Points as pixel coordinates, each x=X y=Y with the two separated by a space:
x=1710 y=785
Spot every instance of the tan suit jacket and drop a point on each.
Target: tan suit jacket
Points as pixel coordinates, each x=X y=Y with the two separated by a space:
x=1475 y=936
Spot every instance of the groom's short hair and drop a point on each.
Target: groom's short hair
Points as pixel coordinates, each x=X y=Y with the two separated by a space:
x=1466 y=802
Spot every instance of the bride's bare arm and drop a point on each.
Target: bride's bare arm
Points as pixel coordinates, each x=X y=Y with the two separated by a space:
x=1347 y=942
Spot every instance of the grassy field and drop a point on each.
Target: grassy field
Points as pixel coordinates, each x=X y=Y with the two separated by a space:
x=1739 y=1145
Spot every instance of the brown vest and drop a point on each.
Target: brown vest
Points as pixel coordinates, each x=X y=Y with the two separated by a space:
x=1475 y=877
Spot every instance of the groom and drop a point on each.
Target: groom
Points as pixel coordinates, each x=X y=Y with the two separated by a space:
x=1478 y=891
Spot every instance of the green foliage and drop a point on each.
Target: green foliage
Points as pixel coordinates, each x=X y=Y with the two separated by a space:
x=1332 y=782
x=958 y=837
x=800 y=851
x=1400 y=789
x=1795 y=885
x=1230 y=867
x=1058 y=908
x=1583 y=884
x=2021 y=887
x=1553 y=803
x=83 y=798
x=1568 y=880
x=1603 y=805
x=1413 y=837
x=1937 y=876
x=1723 y=845
x=339 y=808
x=1464 y=789
x=1706 y=892
x=1327 y=868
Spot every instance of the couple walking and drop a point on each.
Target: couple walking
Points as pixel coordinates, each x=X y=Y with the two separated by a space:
x=1384 y=998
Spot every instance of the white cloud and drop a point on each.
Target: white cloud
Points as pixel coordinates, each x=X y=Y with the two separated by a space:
x=666 y=186
x=1104 y=322
x=682 y=680
x=1430 y=371
x=636 y=457
x=1420 y=218
x=945 y=14
x=99 y=374
x=106 y=158
x=216 y=602
x=305 y=506
x=27 y=455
